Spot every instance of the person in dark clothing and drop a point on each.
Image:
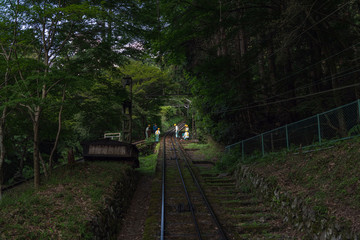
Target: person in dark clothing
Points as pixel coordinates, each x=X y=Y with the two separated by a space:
x=155 y=127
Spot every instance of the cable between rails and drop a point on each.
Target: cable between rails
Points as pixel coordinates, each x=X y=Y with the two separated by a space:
x=163 y=192
x=221 y=231
x=186 y=193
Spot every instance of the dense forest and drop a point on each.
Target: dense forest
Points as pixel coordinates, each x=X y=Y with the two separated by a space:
x=249 y=66
x=62 y=65
x=258 y=65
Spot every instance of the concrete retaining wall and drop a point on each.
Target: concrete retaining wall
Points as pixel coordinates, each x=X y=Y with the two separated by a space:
x=105 y=224
x=295 y=210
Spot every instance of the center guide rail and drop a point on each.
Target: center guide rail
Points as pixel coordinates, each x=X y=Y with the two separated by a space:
x=185 y=210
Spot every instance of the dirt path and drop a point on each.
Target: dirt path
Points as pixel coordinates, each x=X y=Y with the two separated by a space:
x=134 y=221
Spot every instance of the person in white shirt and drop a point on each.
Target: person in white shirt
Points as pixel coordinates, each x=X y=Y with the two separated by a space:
x=176 y=131
x=147 y=131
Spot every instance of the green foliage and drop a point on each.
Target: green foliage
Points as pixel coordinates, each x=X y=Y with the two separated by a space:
x=354 y=130
x=150 y=83
x=148 y=164
x=326 y=177
x=246 y=65
x=228 y=162
x=78 y=55
x=60 y=209
x=170 y=116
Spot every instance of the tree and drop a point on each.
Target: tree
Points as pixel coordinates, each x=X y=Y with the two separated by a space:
x=248 y=55
x=52 y=24
x=9 y=31
x=63 y=46
x=150 y=88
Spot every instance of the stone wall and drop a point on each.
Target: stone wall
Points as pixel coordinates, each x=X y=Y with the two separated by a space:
x=295 y=210
x=105 y=224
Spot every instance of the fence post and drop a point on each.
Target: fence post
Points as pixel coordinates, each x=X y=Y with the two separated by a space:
x=359 y=108
x=319 y=130
x=242 y=150
x=287 y=137
x=262 y=144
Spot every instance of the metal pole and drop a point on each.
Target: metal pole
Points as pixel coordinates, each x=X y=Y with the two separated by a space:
x=319 y=130
x=359 y=109
x=262 y=143
x=242 y=150
x=287 y=137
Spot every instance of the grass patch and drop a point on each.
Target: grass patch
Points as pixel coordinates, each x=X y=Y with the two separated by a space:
x=148 y=164
x=327 y=177
x=62 y=207
x=209 y=151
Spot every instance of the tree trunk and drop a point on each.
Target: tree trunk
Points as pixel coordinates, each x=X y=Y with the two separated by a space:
x=57 y=134
x=2 y=126
x=243 y=42
x=193 y=125
x=340 y=112
x=22 y=160
x=261 y=67
x=272 y=67
x=36 y=147
x=2 y=147
x=70 y=156
x=342 y=131
x=46 y=173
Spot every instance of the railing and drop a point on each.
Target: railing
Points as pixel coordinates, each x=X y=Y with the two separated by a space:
x=113 y=136
x=337 y=124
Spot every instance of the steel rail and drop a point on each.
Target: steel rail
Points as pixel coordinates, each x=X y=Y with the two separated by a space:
x=163 y=191
x=186 y=193
x=221 y=231
x=162 y=231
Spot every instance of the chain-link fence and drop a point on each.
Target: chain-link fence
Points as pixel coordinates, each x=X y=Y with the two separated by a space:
x=340 y=123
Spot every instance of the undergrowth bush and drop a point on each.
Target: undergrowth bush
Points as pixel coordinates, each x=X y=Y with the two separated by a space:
x=227 y=162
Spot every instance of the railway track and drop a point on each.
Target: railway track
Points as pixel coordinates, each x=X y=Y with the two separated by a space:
x=243 y=213
x=185 y=211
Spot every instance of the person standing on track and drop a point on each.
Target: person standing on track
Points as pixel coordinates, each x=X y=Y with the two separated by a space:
x=186 y=135
x=176 y=131
x=147 y=131
x=157 y=134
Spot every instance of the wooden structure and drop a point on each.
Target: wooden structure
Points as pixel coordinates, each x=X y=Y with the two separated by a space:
x=110 y=150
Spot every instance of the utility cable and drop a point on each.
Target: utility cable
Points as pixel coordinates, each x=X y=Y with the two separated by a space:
x=314 y=64
x=338 y=75
x=289 y=99
x=327 y=78
x=327 y=16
